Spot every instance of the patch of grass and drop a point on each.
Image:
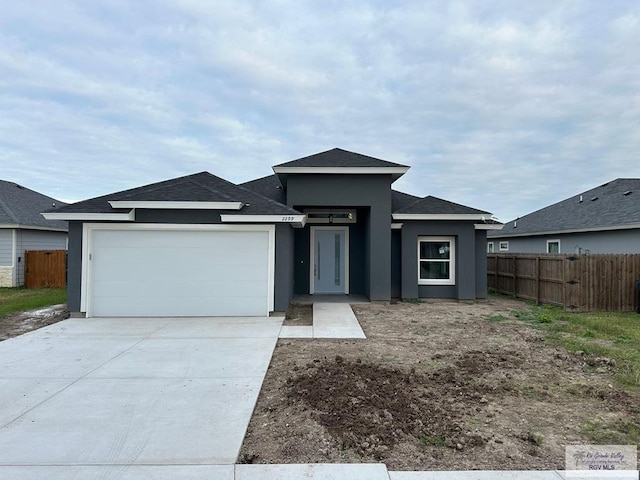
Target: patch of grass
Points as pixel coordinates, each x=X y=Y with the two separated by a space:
x=432 y=440
x=621 y=432
x=614 y=335
x=496 y=318
x=20 y=298
x=415 y=301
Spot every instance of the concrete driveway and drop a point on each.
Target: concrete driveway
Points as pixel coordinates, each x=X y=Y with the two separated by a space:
x=131 y=398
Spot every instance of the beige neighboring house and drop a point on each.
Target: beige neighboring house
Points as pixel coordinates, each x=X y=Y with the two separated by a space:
x=22 y=228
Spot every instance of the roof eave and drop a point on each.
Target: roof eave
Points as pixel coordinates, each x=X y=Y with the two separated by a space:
x=85 y=216
x=439 y=216
x=629 y=226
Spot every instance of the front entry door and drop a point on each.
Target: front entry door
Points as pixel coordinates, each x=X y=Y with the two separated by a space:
x=329 y=247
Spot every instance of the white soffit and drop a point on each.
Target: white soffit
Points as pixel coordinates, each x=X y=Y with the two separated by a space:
x=123 y=217
x=343 y=170
x=488 y=226
x=177 y=205
x=438 y=216
x=293 y=219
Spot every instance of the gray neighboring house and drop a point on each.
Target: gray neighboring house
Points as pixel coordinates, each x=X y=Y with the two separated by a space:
x=22 y=227
x=328 y=223
x=605 y=219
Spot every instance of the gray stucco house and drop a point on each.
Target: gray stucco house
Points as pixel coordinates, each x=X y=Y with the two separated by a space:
x=605 y=219
x=328 y=223
x=22 y=227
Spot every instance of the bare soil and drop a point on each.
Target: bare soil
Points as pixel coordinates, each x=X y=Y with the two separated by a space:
x=435 y=386
x=14 y=324
x=299 y=315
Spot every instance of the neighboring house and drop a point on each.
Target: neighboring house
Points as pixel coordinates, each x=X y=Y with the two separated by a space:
x=22 y=227
x=324 y=224
x=605 y=219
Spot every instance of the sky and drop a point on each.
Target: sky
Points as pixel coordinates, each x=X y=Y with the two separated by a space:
x=505 y=106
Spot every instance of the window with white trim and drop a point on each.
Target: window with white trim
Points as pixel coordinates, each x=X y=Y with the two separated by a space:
x=490 y=247
x=553 y=246
x=436 y=260
x=504 y=246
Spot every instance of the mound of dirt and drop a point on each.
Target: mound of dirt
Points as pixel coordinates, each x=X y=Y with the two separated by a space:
x=371 y=408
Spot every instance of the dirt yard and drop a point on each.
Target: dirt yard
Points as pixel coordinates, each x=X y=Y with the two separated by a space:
x=436 y=386
x=14 y=324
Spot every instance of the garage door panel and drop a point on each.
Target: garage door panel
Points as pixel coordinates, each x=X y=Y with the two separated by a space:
x=163 y=262
x=210 y=288
x=143 y=239
x=177 y=307
x=179 y=273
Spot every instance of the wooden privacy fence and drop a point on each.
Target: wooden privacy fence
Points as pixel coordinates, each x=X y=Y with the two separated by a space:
x=45 y=268
x=579 y=283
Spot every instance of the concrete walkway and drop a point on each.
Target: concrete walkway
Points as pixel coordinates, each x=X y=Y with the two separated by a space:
x=330 y=320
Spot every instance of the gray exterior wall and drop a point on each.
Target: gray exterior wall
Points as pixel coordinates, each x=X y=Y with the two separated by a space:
x=373 y=191
x=6 y=247
x=465 y=261
x=283 y=282
x=74 y=266
x=481 y=264
x=614 y=241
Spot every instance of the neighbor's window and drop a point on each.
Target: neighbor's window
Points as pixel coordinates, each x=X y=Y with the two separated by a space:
x=504 y=246
x=490 y=247
x=553 y=246
x=436 y=261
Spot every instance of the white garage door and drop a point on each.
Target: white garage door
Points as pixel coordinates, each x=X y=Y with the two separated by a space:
x=142 y=273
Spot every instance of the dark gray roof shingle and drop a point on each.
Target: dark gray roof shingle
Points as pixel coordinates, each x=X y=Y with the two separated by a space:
x=269 y=187
x=612 y=204
x=22 y=206
x=339 y=158
x=432 y=205
x=199 y=187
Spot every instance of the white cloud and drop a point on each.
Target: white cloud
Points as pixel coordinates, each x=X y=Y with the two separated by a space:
x=503 y=106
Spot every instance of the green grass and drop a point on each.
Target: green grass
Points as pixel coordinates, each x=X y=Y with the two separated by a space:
x=621 y=432
x=432 y=440
x=20 y=299
x=614 y=335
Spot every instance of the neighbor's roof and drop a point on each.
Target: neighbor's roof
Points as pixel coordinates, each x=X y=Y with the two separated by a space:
x=339 y=158
x=199 y=187
x=610 y=206
x=21 y=207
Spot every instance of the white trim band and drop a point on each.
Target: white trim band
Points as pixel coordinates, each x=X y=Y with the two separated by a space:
x=152 y=204
x=121 y=217
x=343 y=170
x=488 y=226
x=438 y=216
x=295 y=219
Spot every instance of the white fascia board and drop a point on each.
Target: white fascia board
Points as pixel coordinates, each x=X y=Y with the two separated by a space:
x=629 y=226
x=177 y=205
x=438 y=216
x=396 y=226
x=488 y=226
x=294 y=219
x=121 y=217
x=343 y=170
x=32 y=227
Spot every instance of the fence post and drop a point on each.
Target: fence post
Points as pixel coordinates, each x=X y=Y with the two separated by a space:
x=538 y=280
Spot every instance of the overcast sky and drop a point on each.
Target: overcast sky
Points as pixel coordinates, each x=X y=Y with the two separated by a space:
x=505 y=106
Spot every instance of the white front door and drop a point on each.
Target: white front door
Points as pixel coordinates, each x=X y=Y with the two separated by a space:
x=329 y=260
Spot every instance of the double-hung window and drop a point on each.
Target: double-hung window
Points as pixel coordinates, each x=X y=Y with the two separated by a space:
x=436 y=260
